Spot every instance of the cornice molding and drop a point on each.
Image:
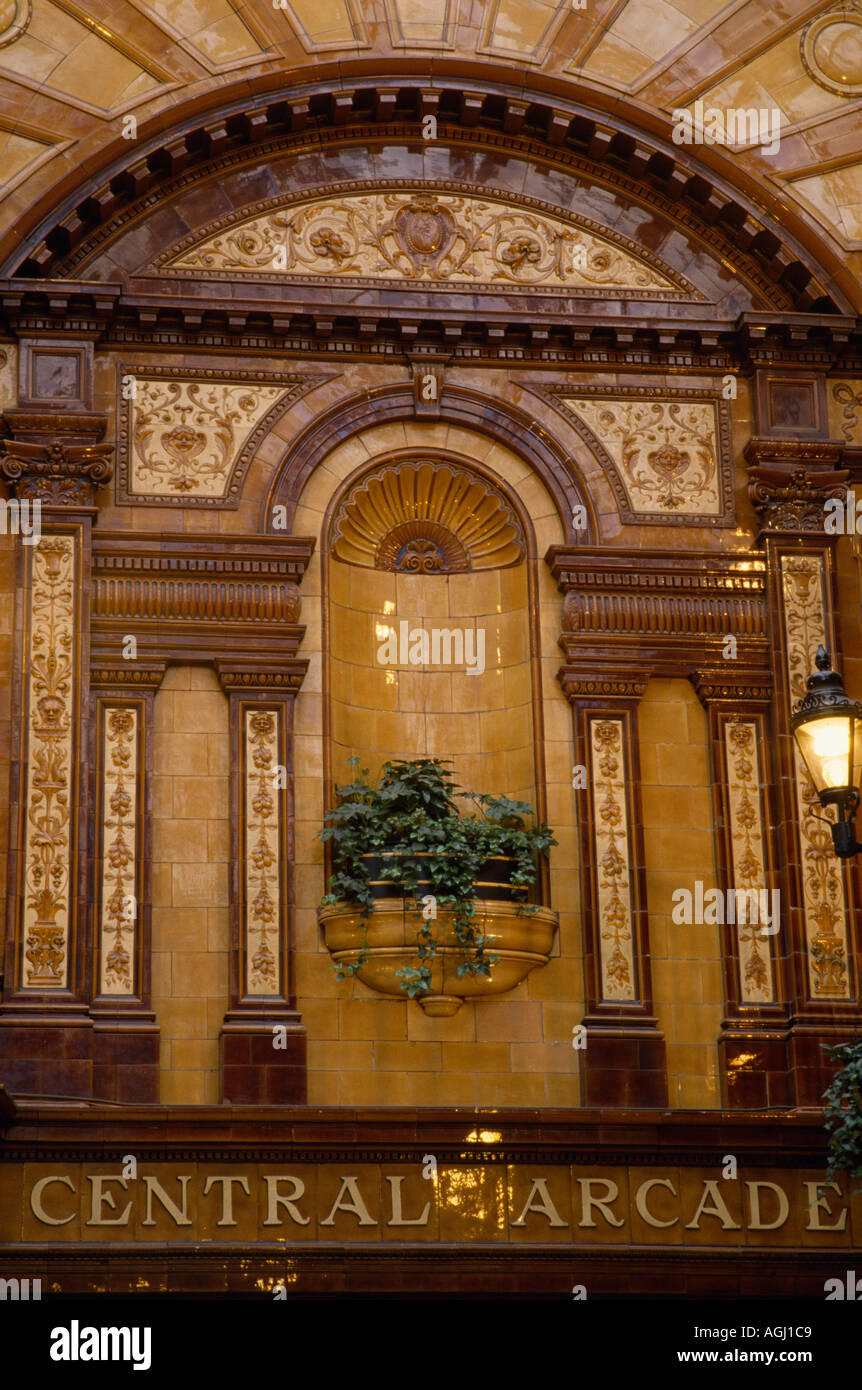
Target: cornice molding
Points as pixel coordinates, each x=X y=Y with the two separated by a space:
x=606 y=689
x=721 y=686
x=558 y=333
x=632 y=614
x=232 y=600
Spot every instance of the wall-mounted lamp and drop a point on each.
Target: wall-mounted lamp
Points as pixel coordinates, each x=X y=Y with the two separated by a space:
x=827 y=726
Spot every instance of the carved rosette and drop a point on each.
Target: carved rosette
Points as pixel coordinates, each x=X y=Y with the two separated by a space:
x=119 y=897
x=748 y=854
x=803 y=590
x=51 y=705
x=261 y=854
x=612 y=859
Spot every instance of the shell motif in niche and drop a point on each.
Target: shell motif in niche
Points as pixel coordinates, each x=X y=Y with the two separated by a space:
x=426 y=518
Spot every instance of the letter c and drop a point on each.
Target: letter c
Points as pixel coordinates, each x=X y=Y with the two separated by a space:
x=36 y=1201
x=640 y=1201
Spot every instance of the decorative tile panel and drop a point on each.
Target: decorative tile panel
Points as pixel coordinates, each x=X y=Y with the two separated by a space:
x=436 y=237
x=119 y=896
x=844 y=402
x=666 y=453
x=51 y=703
x=612 y=859
x=745 y=823
x=190 y=436
x=261 y=855
x=803 y=589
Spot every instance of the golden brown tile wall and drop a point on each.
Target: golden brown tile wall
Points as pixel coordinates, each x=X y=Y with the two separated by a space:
x=191 y=851
x=679 y=850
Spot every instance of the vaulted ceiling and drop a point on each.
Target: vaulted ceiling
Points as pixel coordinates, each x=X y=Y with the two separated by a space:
x=71 y=75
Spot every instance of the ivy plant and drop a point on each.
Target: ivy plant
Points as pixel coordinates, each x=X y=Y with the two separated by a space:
x=844 y=1112
x=436 y=839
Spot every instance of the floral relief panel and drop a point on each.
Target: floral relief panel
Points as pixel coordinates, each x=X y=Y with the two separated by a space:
x=745 y=822
x=50 y=762
x=667 y=455
x=261 y=853
x=803 y=588
x=444 y=237
x=119 y=891
x=612 y=859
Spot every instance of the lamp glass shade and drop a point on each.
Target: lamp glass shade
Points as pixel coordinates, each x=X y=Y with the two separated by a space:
x=831 y=745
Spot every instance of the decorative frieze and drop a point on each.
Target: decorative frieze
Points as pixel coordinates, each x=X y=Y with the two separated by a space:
x=51 y=716
x=641 y=613
x=232 y=600
x=359 y=235
x=824 y=905
x=666 y=453
x=189 y=436
x=119 y=892
x=612 y=858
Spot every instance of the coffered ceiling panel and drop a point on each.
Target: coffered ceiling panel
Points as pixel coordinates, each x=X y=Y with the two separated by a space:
x=212 y=28
x=644 y=33
x=325 y=23
x=417 y=22
x=66 y=52
x=521 y=27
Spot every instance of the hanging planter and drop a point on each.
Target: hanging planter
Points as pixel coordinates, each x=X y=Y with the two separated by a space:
x=386 y=947
x=427 y=901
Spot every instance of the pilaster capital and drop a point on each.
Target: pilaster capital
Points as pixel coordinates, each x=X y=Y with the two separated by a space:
x=55 y=457
x=790 y=481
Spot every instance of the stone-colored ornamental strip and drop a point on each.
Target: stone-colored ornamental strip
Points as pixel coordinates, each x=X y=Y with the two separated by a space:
x=119 y=890
x=50 y=766
x=261 y=854
x=802 y=578
x=744 y=779
x=422 y=235
x=612 y=859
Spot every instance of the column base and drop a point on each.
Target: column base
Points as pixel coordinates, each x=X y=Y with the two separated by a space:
x=755 y=1068
x=260 y=1063
x=624 y=1066
x=47 y=1051
x=126 y=1059
x=811 y=1065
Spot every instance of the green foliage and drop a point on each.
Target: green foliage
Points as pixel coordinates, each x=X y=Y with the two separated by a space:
x=844 y=1112
x=412 y=815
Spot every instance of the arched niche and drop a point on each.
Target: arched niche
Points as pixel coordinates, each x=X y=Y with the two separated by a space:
x=432 y=642
x=494 y=725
